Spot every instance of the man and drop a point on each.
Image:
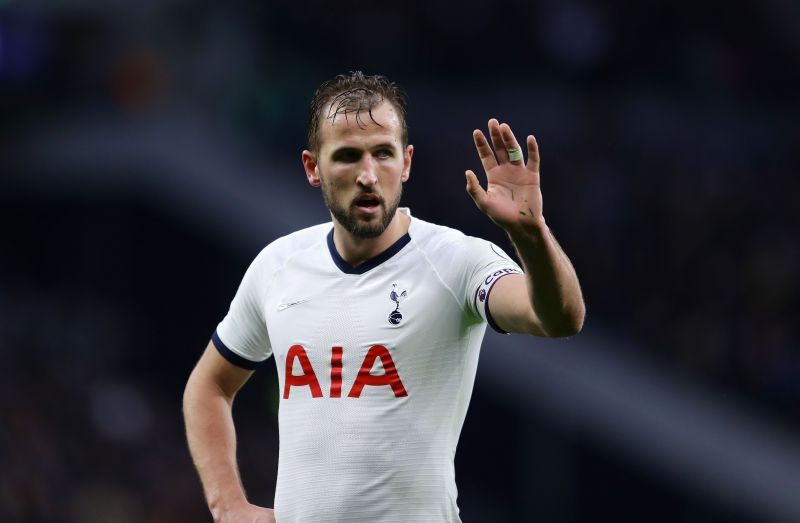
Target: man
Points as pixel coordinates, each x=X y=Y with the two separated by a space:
x=375 y=322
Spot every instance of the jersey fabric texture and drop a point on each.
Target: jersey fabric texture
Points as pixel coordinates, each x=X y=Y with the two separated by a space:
x=376 y=365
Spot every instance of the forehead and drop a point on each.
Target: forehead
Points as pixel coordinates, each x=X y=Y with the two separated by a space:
x=362 y=129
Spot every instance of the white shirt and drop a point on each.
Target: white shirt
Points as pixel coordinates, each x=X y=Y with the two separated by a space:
x=381 y=365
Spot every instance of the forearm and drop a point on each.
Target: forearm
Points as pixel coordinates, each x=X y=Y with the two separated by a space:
x=212 y=443
x=553 y=287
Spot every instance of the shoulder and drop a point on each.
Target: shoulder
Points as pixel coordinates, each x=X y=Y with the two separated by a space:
x=453 y=252
x=278 y=252
x=439 y=239
x=429 y=235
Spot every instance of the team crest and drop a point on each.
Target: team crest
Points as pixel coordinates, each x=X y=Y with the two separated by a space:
x=395 y=317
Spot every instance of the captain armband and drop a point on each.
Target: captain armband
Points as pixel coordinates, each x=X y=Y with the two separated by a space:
x=485 y=288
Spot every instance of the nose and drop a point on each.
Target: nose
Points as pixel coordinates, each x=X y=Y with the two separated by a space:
x=366 y=175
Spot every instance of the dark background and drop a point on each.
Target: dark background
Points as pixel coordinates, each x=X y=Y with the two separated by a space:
x=148 y=151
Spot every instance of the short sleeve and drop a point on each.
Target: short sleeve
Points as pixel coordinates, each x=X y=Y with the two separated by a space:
x=488 y=264
x=242 y=336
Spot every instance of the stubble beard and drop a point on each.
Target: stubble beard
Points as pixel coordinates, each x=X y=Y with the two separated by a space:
x=348 y=218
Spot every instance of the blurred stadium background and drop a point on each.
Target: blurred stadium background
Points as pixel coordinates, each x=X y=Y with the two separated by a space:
x=148 y=150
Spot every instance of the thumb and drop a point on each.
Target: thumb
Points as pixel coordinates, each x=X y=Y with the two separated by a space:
x=475 y=190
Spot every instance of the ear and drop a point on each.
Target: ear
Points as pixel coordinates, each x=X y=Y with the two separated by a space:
x=407 y=163
x=311 y=168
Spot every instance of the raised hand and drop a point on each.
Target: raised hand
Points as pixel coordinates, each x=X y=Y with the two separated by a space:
x=512 y=199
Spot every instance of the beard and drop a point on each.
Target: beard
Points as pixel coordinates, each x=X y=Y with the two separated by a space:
x=348 y=218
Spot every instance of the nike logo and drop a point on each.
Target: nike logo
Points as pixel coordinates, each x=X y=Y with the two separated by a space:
x=284 y=306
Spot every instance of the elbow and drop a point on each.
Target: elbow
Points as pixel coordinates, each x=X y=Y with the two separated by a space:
x=570 y=324
x=565 y=331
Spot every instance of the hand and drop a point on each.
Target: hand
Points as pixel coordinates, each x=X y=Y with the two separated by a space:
x=246 y=513
x=512 y=199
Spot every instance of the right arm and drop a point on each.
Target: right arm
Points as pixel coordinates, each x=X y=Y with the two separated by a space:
x=207 y=411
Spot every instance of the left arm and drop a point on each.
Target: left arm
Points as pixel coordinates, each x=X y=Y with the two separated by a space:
x=547 y=299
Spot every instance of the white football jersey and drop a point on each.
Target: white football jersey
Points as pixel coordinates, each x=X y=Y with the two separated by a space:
x=376 y=365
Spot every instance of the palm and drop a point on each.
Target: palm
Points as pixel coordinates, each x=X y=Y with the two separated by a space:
x=512 y=198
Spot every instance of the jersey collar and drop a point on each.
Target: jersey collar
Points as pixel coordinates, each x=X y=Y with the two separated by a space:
x=372 y=262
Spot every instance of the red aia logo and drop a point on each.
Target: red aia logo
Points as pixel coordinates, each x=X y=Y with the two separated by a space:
x=308 y=378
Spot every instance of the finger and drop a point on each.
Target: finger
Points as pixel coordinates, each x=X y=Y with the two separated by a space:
x=497 y=141
x=475 y=190
x=510 y=142
x=484 y=150
x=533 y=154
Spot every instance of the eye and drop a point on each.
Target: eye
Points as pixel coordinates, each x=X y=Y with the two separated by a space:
x=347 y=155
x=384 y=154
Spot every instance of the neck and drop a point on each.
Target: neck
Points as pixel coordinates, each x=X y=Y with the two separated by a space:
x=356 y=250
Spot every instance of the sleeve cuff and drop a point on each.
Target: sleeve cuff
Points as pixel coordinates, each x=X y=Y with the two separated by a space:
x=232 y=356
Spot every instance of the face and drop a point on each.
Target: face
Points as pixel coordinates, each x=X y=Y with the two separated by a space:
x=361 y=169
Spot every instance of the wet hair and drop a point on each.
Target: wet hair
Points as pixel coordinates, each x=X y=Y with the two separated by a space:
x=352 y=95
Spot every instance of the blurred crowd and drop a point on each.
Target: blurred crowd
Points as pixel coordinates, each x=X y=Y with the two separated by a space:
x=670 y=145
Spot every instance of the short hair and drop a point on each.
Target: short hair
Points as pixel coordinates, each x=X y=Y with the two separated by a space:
x=353 y=93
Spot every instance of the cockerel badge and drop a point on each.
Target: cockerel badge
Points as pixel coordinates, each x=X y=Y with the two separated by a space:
x=395 y=316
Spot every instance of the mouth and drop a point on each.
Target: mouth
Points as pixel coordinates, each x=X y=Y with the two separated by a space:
x=368 y=203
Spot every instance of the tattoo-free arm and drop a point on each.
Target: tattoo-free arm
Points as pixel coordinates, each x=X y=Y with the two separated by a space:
x=207 y=411
x=547 y=299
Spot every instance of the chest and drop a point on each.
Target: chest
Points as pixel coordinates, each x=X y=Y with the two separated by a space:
x=321 y=309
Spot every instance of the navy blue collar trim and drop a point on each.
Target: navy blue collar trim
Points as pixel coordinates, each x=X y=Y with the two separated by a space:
x=372 y=262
